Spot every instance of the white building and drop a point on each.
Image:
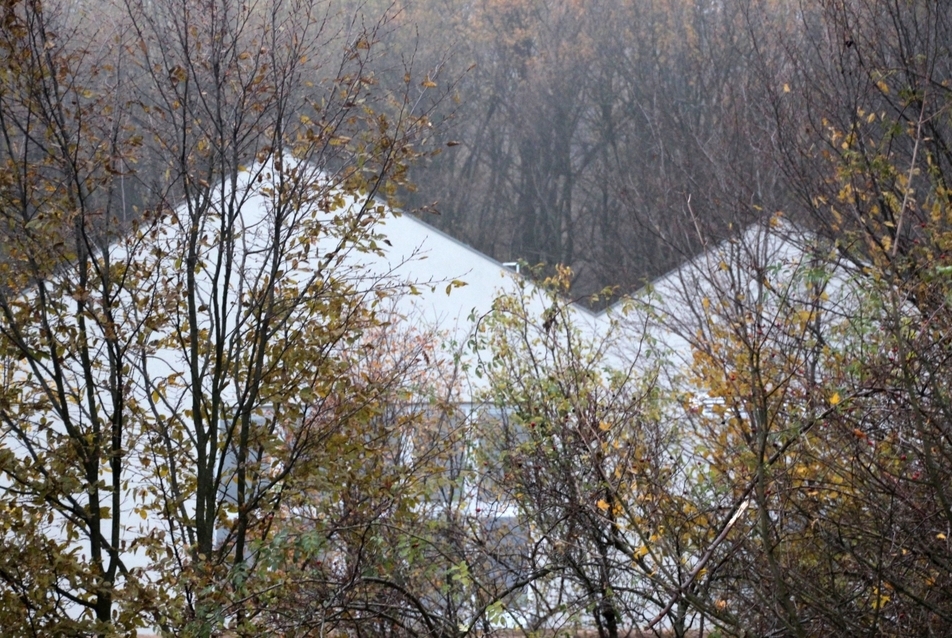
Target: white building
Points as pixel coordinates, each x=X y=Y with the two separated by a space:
x=176 y=357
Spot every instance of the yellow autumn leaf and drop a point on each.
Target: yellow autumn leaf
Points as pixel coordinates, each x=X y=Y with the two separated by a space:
x=835 y=399
x=602 y=505
x=604 y=426
x=940 y=536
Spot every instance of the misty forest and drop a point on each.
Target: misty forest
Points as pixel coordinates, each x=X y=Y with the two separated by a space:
x=716 y=400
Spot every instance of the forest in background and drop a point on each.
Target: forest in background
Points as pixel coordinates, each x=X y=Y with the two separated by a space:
x=619 y=136
x=615 y=137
